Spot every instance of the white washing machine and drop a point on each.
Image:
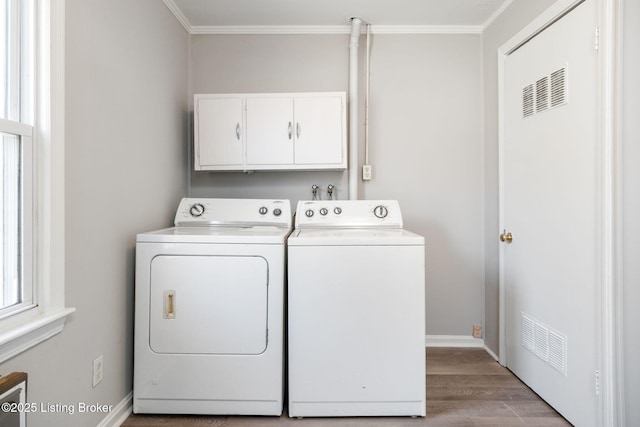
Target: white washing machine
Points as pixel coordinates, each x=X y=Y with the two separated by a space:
x=356 y=305
x=209 y=310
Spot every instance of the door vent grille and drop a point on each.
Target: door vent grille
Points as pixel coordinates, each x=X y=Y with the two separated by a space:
x=558 y=87
x=545 y=342
x=558 y=351
x=528 y=106
x=528 y=328
x=542 y=341
x=542 y=94
x=546 y=93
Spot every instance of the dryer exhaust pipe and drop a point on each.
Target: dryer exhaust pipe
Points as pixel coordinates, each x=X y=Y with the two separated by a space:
x=354 y=145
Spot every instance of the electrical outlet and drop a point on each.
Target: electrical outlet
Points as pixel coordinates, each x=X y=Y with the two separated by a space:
x=97 y=371
x=366 y=172
x=477 y=331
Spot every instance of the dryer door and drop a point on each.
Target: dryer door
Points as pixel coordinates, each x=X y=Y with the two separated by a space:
x=208 y=304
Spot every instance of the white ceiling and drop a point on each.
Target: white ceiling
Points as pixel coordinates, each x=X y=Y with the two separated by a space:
x=237 y=16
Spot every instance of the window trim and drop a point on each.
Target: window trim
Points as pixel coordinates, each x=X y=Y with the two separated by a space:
x=31 y=327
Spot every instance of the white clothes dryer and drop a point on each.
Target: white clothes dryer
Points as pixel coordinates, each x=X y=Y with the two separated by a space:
x=209 y=310
x=356 y=311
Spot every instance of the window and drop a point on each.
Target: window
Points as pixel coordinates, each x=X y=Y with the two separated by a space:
x=32 y=305
x=16 y=155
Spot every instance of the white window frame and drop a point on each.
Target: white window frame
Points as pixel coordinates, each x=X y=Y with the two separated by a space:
x=46 y=317
x=24 y=133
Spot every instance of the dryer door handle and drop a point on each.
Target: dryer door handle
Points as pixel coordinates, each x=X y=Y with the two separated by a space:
x=169 y=304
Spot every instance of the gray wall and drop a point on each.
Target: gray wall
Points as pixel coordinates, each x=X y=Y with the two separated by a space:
x=426 y=150
x=517 y=16
x=631 y=206
x=126 y=120
x=426 y=141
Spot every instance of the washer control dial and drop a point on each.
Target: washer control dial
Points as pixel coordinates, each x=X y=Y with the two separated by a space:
x=337 y=210
x=263 y=210
x=309 y=213
x=196 y=210
x=380 y=211
x=277 y=211
x=324 y=211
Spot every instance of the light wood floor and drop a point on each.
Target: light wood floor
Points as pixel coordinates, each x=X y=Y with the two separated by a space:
x=465 y=388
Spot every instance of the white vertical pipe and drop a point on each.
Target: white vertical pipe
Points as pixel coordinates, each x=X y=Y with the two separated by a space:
x=366 y=95
x=353 y=108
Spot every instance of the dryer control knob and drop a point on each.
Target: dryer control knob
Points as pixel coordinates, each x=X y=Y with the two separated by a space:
x=380 y=211
x=309 y=213
x=263 y=210
x=324 y=211
x=337 y=210
x=277 y=211
x=196 y=210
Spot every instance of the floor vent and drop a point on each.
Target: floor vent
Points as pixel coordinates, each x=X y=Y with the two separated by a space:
x=546 y=93
x=545 y=342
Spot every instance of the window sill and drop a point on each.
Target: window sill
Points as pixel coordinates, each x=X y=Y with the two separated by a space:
x=32 y=332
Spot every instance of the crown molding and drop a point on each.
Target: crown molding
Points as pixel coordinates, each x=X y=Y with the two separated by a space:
x=333 y=29
x=496 y=14
x=325 y=29
x=426 y=29
x=178 y=14
x=270 y=29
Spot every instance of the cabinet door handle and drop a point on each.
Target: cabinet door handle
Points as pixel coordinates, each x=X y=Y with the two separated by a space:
x=298 y=130
x=238 y=131
x=289 y=130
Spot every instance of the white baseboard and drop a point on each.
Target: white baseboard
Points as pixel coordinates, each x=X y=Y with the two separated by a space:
x=453 y=341
x=492 y=354
x=120 y=413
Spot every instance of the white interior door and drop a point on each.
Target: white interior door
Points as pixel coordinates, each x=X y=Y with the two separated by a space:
x=550 y=179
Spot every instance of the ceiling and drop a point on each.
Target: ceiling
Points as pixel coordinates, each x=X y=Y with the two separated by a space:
x=251 y=16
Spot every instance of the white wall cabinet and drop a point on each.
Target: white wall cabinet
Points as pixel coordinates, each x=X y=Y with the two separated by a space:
x=221 y=128
x=289 y=131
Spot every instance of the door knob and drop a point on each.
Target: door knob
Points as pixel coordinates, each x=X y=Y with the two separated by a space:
x=506 y=237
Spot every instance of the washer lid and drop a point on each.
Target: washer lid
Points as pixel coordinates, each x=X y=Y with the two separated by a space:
x=354 y=237
x=219 y=235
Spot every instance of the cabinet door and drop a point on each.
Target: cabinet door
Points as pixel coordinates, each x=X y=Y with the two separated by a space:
x=218 y=133
x=270 y=131
x=319 y=131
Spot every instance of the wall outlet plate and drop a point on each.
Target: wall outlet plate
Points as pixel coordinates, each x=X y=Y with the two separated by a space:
x=366 y=172
x=477 y=331
x=98 y=370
